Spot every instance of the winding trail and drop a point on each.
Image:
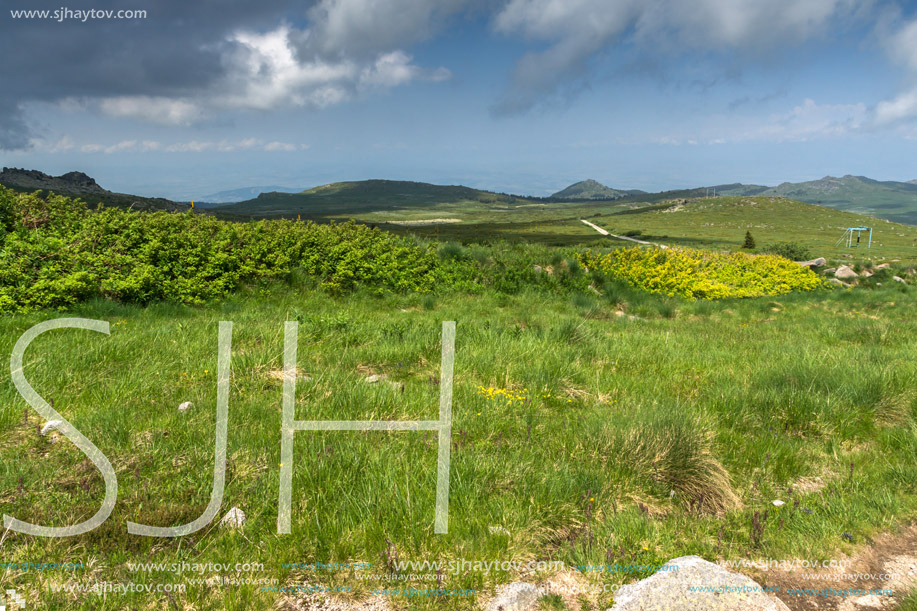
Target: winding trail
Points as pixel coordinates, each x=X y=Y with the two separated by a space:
x=621 y=237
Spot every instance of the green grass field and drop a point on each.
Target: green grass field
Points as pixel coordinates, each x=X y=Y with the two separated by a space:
x=717 y=223
x=728 y=404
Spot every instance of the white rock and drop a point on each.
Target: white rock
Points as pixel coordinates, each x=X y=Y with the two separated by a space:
x=234 y=518
x=673 y=588
x=518 y=596
x=844 y=272
x=373 y=379
x=899 y=279
x=185 y=406
x=778 y=503
x=51 y=425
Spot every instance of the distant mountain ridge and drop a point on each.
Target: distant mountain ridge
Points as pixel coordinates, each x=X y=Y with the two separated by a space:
x=233 y=196
x=892 y=200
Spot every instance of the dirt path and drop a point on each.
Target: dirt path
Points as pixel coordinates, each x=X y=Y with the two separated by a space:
x=888 y=563
x=621 y=237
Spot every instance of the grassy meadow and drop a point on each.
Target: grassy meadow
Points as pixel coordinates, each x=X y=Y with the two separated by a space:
x=728 y=404
x=593 y=423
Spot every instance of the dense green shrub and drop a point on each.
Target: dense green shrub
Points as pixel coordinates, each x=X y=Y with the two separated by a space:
x=58 y=252
x=790 y=250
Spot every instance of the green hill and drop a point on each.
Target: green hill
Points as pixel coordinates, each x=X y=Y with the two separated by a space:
x=591 y=189
x=721 y=222
x=366 y=196
x=896 y=201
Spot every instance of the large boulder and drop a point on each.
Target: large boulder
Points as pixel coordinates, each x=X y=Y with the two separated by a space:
x=819 y=262
x=691 y=583
x=844 y=272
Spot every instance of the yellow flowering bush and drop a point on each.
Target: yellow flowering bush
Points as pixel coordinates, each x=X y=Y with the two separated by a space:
x=698 y=274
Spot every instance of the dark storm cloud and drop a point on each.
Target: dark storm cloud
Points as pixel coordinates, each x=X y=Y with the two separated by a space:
x=176 y=50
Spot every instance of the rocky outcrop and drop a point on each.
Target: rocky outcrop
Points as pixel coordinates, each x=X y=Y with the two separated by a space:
x=690 y=583
x=71 y=182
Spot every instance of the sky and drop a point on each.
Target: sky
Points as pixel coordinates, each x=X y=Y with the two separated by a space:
x=520 y=96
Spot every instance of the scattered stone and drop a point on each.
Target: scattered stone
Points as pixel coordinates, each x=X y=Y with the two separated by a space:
x=185 y=406
x=866 y=273
x=870 y=601
x=778 y=503
x=518 y=596
x=844 y=272
x=51 y=425
x=883 y=266
x=838 y=282
x=669 y=589
x=234 y=518
x=537 y=269
x=374 y=378
x=829 y=270
x=808 y=485
x=899 y=279
x=819 y=262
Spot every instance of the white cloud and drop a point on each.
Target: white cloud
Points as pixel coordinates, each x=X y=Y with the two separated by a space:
x=62 y=145
x=221 y=146
x=279 y=146
x=147 y=146
x=901 y=46
x=159 y=110
x=367 y=28
x=120 y=147
x=389 y=70
x=575 y=30
x=267 y=74
x=901 y=107
x=352 y=47
x=810 y=120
